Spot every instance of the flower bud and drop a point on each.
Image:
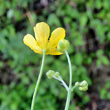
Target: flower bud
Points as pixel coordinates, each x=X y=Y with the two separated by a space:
x=63 y=45
x=57 y=74
x=77 y=84
x=83 y=86
x=59 y=49
x=84 y=83
x=50 y=74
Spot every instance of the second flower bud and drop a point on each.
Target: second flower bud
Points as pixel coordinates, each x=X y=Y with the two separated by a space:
x=63 y=45
x=50 y=74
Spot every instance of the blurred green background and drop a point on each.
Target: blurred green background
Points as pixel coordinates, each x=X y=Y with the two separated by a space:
x=87 y=25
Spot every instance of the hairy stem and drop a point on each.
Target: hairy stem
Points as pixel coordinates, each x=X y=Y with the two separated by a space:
x=70 y=82
x=38 y=81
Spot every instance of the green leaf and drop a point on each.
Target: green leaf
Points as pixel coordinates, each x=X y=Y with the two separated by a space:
x=105 y=60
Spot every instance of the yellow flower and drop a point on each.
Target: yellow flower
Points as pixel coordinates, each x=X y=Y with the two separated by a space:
x=42 y=40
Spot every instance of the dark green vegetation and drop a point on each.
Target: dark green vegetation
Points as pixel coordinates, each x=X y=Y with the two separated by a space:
x=87 y=25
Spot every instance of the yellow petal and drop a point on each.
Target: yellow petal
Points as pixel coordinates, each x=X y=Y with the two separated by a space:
x=42 y=31
x=32 y=43
x=53 y=51
x=56 y=35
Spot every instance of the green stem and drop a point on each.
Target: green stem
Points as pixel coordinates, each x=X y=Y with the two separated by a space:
x=74 y=87
x=70 y=82
x=38 y=81
x=61 y=80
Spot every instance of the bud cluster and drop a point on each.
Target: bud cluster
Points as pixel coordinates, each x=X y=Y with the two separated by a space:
x=50 y=74
x=83 y=86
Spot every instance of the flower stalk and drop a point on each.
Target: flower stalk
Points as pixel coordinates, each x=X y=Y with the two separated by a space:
x=70 y=82
x=61 y=80
x=38 y=81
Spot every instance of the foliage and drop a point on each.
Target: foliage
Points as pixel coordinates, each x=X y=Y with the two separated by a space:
x=104 y=93
x=87 y=26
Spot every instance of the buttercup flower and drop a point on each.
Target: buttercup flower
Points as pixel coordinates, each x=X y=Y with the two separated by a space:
x=42 y=40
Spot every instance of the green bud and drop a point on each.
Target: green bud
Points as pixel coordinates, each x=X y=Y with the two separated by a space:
x=67 y=44
x=84 y=83
x=63 y=45
x=57 y=74
x=83 y=88
x=50 y=74
x=60 y=50
x=77 y=84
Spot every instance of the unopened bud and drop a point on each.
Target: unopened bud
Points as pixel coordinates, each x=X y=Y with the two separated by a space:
x=57 y=74
x=50 y=74
x=59 y=49
x=83 y=86
x=63 y=45
x=77 y=84
x=83 y=83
